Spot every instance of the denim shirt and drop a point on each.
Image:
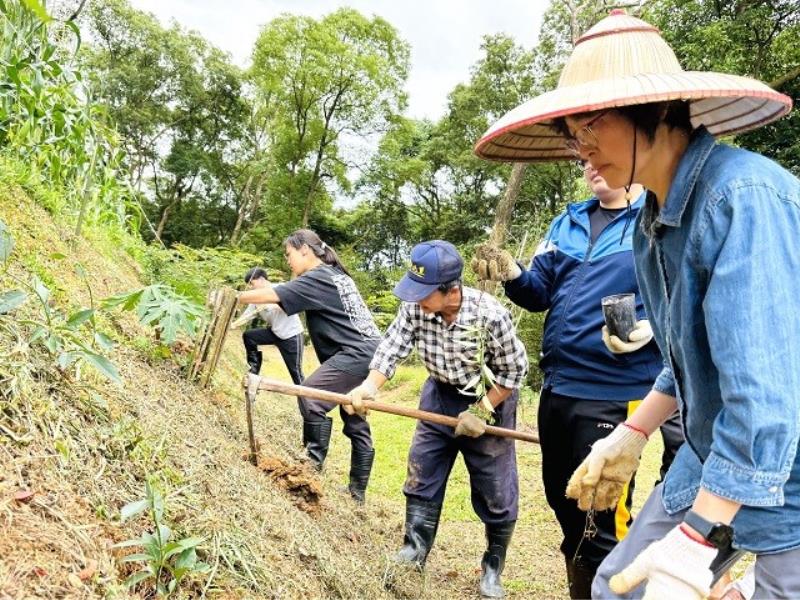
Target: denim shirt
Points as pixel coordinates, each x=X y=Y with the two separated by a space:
x=719 y=272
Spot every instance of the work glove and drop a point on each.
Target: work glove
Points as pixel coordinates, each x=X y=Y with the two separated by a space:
x=470 y=425
x=599 y=480
x=639 y=337
x=742 y=588
x=494 y=264
x=676 y=566
x=366 y=390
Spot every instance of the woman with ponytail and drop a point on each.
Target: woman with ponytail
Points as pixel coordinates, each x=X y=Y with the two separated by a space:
x=344 y=336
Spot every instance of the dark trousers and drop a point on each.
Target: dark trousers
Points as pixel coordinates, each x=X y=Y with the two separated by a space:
x=567 y=429
x=491 y=461
x=333 y=380
x=291 y=349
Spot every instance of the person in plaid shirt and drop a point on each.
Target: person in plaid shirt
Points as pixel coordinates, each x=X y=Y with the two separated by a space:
x=456 y=331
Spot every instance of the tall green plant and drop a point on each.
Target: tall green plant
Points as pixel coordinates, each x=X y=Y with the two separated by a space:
x=47 y=116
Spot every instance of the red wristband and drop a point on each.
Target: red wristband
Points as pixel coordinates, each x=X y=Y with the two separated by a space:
x=695 y=537
x=629 y=426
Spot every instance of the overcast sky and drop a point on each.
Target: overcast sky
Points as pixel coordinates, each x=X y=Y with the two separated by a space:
x=445 y=35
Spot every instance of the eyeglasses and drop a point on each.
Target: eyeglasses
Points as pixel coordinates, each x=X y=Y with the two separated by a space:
x=585 y=137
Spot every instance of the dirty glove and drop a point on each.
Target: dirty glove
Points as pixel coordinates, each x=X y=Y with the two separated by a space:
x=494 y=264
x=743 y=588
x=470 y=425
x=640 y=336
x=366 y=390
x=676 y=566
x=599 y=480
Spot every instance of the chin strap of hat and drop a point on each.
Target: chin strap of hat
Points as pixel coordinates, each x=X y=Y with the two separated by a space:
x=628 y=211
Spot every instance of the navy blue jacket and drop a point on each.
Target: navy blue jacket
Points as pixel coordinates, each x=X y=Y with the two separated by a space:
x=568 y=277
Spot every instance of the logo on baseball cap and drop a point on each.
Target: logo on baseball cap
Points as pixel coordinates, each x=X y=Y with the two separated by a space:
x=432 y=264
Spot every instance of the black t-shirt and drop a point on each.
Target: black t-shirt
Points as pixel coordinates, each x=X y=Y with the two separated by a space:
x=340 y=325
x=600 y=217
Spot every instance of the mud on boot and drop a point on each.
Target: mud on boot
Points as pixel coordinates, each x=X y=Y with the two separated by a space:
x=422 y=521
x=498 y=536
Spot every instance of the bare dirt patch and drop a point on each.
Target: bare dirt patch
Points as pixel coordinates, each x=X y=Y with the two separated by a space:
x=298 y=479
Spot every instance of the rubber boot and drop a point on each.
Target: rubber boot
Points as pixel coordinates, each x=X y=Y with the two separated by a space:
x=579 y=577
x=360 y=468
x=498 y=536
x=254 y=361
x=422 y=521
x=316 y=439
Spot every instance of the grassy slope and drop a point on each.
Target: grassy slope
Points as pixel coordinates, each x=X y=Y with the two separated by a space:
x=86 y=452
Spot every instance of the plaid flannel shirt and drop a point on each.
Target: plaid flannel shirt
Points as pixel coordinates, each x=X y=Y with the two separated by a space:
x=449 y=350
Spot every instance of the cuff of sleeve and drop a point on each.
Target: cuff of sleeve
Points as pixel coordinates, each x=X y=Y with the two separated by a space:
x=741 y=484
x=510 y=382
x=665 y=383
x=516 y=283
x=385 y=369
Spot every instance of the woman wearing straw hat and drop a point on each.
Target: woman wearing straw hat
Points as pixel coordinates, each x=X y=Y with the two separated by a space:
x=720 y=277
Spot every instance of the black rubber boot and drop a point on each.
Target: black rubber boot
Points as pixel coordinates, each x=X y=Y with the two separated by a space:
x=254 y=361
x=360 y=468
x=316 y=439
x=498 y=536
x=579 y=577
x=422 y=521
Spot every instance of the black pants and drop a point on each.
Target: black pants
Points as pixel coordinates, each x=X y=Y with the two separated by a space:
x=291 y=349
x=333 y=380
x=567 y=429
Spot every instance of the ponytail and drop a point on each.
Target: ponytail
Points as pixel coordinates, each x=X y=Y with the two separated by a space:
x=320 y=249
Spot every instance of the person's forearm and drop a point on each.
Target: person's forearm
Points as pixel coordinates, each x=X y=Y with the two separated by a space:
x=715 y=508
x=656 y=408
x=498 y=394
x=263 y=295
x=376 y=378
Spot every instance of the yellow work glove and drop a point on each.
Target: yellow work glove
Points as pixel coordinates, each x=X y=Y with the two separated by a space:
x=676 y=566
x=366 y=390
x=494 y=264
x=470 y=425
x=639 y=337
x=599 y=480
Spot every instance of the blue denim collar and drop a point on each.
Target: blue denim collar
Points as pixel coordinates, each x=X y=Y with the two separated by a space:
x=683 y=183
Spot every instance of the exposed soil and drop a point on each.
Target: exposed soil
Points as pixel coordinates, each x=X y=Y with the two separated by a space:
x=298 y=479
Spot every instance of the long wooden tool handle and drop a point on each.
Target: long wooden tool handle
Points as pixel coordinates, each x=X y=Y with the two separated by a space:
x=273 y=385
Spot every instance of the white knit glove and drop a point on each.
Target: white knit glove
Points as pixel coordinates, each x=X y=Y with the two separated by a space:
x=366 y=390
x=675 y=566
x=642 y=333
x=599 y=480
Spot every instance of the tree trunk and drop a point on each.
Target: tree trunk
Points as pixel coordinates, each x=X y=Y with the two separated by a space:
x=242 y=211
x=164 y=216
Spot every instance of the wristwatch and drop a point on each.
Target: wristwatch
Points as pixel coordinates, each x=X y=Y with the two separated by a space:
x=718 y=535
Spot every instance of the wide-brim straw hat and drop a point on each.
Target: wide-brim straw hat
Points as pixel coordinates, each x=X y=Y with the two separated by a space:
x=622 y=61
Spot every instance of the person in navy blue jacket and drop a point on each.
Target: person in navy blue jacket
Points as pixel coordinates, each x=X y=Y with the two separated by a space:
x=591 y=385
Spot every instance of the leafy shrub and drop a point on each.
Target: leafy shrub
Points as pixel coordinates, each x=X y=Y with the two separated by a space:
x=160 y=307
x=192 y=272
x=164 y=560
